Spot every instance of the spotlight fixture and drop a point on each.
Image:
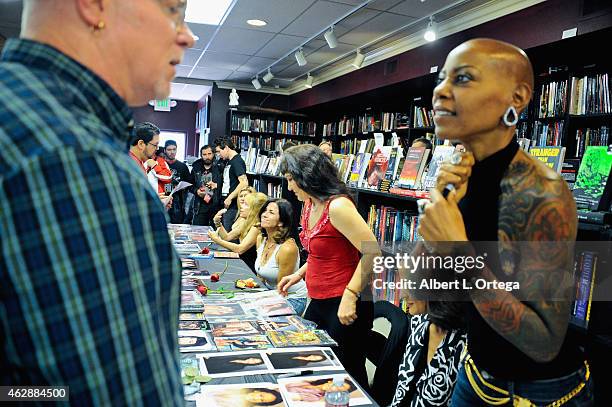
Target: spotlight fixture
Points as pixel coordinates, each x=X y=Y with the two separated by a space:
x=256 y=83
x=309 y=80
x=268 y=77
x=358 y=61
x=330 y=37
x=431 y=32
x=300 y=58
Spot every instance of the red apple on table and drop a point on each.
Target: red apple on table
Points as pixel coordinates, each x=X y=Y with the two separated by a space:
x=205 y=250
x=214 y=277
x=202 y=289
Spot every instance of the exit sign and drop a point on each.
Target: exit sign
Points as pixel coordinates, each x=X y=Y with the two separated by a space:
x=162 y=105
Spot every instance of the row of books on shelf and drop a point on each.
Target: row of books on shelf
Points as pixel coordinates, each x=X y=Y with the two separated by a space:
x=352 y=145
x=388 y=168
x=385 y=121
x=548 y=134
x=296 y=128
x=590 y=95
x=422 y=117
x=260 y=163
x=263 y=143
x=246 y=123
x=553 y=99
x=591 y=137
x=392 y=225
x=249 y=124
x=270 y=189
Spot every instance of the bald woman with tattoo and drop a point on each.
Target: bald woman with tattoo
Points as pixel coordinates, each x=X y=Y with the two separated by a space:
x=519 y=349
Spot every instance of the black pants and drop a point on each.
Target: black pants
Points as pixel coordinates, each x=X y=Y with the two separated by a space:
x=229 y=217
x=351 y=338
x=205 y=214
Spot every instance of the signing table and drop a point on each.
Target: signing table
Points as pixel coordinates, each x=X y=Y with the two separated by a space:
x=242 y=347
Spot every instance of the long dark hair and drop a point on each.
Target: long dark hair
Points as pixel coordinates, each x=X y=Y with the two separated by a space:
x=447 y=315
x=285 y=216
x=284 y=361
x=313 y=172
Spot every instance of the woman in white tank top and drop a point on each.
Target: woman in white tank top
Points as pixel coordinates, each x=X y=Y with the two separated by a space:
x=277 y=253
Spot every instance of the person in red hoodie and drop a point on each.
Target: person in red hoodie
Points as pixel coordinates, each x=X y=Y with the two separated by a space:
x=159 y=172
x=143 y=149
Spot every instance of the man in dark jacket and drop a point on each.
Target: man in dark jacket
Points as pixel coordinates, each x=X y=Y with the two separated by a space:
x=207 y=183
x=180 y=172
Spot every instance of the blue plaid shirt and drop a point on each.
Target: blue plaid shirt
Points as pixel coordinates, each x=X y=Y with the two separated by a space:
x=90 y=282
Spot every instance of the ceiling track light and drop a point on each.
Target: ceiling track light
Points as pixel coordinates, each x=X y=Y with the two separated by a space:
x=309 y=80
x=256 y=83
x=268 y=76
x=300 y=58
x=330 y=37
x=431 y=31
x=359 y=58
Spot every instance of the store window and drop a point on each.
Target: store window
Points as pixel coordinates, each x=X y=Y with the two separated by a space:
x=180 y=139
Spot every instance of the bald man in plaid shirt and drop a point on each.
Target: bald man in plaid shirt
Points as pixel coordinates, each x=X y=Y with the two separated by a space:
x=90 y=281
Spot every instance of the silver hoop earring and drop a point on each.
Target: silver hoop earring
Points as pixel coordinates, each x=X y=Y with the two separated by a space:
x=510 y=118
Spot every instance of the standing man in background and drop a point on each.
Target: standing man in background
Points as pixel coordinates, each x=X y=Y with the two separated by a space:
x=90 y=280
x=207 y=180
x=180 y=172
x=234 y=178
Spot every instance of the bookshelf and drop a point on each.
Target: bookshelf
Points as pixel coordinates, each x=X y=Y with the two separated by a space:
x=268 y=129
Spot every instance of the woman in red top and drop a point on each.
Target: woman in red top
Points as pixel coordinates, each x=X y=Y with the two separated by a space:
x=341 y=249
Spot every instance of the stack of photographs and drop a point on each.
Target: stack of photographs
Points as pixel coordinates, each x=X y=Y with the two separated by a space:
x=310 y=391
x=218 y=365
x=240 y=395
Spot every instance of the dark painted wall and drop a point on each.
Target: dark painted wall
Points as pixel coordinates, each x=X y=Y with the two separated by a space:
x=179 y=118
x=534 y=26
x=220 y=107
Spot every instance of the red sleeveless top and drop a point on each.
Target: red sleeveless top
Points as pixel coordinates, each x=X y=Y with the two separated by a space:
x=332 y=259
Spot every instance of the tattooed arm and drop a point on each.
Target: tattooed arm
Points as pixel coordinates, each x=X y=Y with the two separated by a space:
x=535 y=206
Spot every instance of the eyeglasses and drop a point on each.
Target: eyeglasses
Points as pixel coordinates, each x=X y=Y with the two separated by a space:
x=175 y=10
x=154 y=145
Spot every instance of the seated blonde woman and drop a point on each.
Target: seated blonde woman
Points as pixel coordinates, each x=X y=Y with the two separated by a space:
x=249 y=230
x=277 y=253
x=237 y=226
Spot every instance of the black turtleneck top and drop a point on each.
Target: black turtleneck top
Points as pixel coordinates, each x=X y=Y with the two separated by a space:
x=480 y=208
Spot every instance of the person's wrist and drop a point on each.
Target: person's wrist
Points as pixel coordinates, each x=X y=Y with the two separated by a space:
x=354 y=293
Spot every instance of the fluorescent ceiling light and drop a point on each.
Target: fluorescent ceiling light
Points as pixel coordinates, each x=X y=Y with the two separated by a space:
x=256 y=83
x=268 y=76
x=358 y=61
x=330 y=37
x=300 y=58
x=257 y=23
x=206 y=12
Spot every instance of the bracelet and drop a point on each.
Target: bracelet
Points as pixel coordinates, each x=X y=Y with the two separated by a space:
x=352 y=292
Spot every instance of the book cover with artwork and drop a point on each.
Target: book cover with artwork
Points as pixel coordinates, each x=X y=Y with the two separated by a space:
x=569 y=171
x=315 y=337
x=358 y=163
x=440 y=154
x=379 y=162
x=413 y=167
x=592 y=189
x=551 y=156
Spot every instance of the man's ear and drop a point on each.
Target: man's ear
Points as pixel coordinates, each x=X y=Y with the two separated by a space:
x=91 y=11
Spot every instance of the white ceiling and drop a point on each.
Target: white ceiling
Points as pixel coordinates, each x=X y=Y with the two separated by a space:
x=235 y=52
